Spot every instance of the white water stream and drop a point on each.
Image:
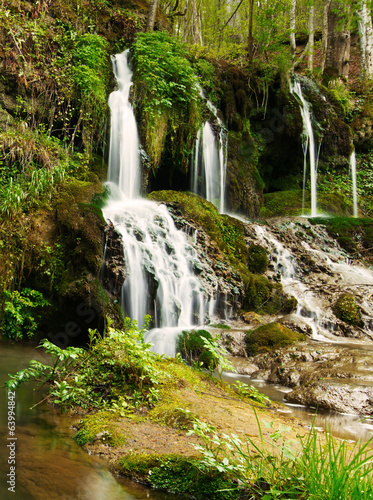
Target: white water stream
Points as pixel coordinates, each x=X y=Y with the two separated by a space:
x=354 y=189
x=310 y=149
x=159 y=259
x=210 y=162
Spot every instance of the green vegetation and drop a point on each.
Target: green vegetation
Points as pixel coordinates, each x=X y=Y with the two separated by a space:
x=267 y=338
x=251 y=392
x=282 y=203
x=179 y=475
x=346 y=309
x=190 y=344
x=274 y=469
x=167 y=96
x=258 y=259
x=22 y=313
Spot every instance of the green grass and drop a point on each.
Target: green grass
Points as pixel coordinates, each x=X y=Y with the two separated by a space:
x=319 y=468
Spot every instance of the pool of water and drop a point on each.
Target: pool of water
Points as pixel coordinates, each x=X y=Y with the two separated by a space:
x=49 y=465
x=344 y=426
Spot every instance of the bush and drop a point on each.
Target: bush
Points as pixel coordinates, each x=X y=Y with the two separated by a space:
x=266 y=338
x=190 y=344
x=22 y=313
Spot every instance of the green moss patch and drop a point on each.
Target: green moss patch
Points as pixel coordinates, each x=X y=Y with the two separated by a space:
x=178 y=475
x=258 y=259
x=346 y=309
x=100 y=426
x=268 y=337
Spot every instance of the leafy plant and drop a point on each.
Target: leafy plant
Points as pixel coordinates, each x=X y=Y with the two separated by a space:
x=22 y=313
x=251 y=392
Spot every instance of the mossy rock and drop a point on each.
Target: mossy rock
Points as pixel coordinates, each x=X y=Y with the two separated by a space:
x=268 y=337
x=346 y=310
x=283 y=203
x=262 y=296
x=190 y=345
x=258 y=259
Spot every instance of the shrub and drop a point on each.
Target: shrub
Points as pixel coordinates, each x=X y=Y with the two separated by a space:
x=22 y=313
x=190 y=344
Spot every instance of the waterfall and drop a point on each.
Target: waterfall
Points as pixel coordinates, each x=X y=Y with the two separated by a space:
x=159 y=258
x=333 y=269
x=309 y=144
x=353 y=175
x=210 y=162
x=124 y=163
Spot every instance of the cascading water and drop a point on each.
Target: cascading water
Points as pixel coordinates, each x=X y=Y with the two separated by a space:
x=159 y=259
x=310 y=149
x=354 y=189
x=124 y=163
x=308 y=309
x=209 y=165
x=315 y=301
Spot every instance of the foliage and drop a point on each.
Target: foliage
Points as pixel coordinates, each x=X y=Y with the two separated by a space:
x=117 y=371
x=177 y=475
x=22 y=313
x=251 y=392
x=190 y=344
x=333 y=470
x=218 y=355
x=282 y=203
x=91 y=76
x=166 y=96
x=268 y=337
x=62 y=361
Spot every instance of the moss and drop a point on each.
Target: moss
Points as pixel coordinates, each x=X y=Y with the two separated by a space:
x=346 y=310
x=173 y=414
x=283 y=203
x=179 y=475
x=258 y=259
x=269 y=337
x=261 y=295
x=290 y=305
x=353 y=234
x=102 y=426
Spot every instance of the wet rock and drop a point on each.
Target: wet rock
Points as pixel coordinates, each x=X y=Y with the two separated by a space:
x=335 y=396
x=113 y=272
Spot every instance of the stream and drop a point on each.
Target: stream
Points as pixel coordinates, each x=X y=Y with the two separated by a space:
x=48 y=463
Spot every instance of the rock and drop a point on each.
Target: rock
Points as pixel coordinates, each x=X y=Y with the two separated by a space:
x=253 y=318
x=335 y=396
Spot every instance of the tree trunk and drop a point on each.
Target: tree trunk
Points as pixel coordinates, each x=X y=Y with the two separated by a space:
x=293 y=45
x=311 y=38
x=325 y=10
x=196 y=35
x=337 y=59
x=366 y=39
x=152 y=13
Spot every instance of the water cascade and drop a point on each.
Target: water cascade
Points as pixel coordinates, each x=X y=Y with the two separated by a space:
x=353 y=176
x=210 y=162
x=159 y=259
x=124 y=163
x=310 y=149
x=316 y=259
